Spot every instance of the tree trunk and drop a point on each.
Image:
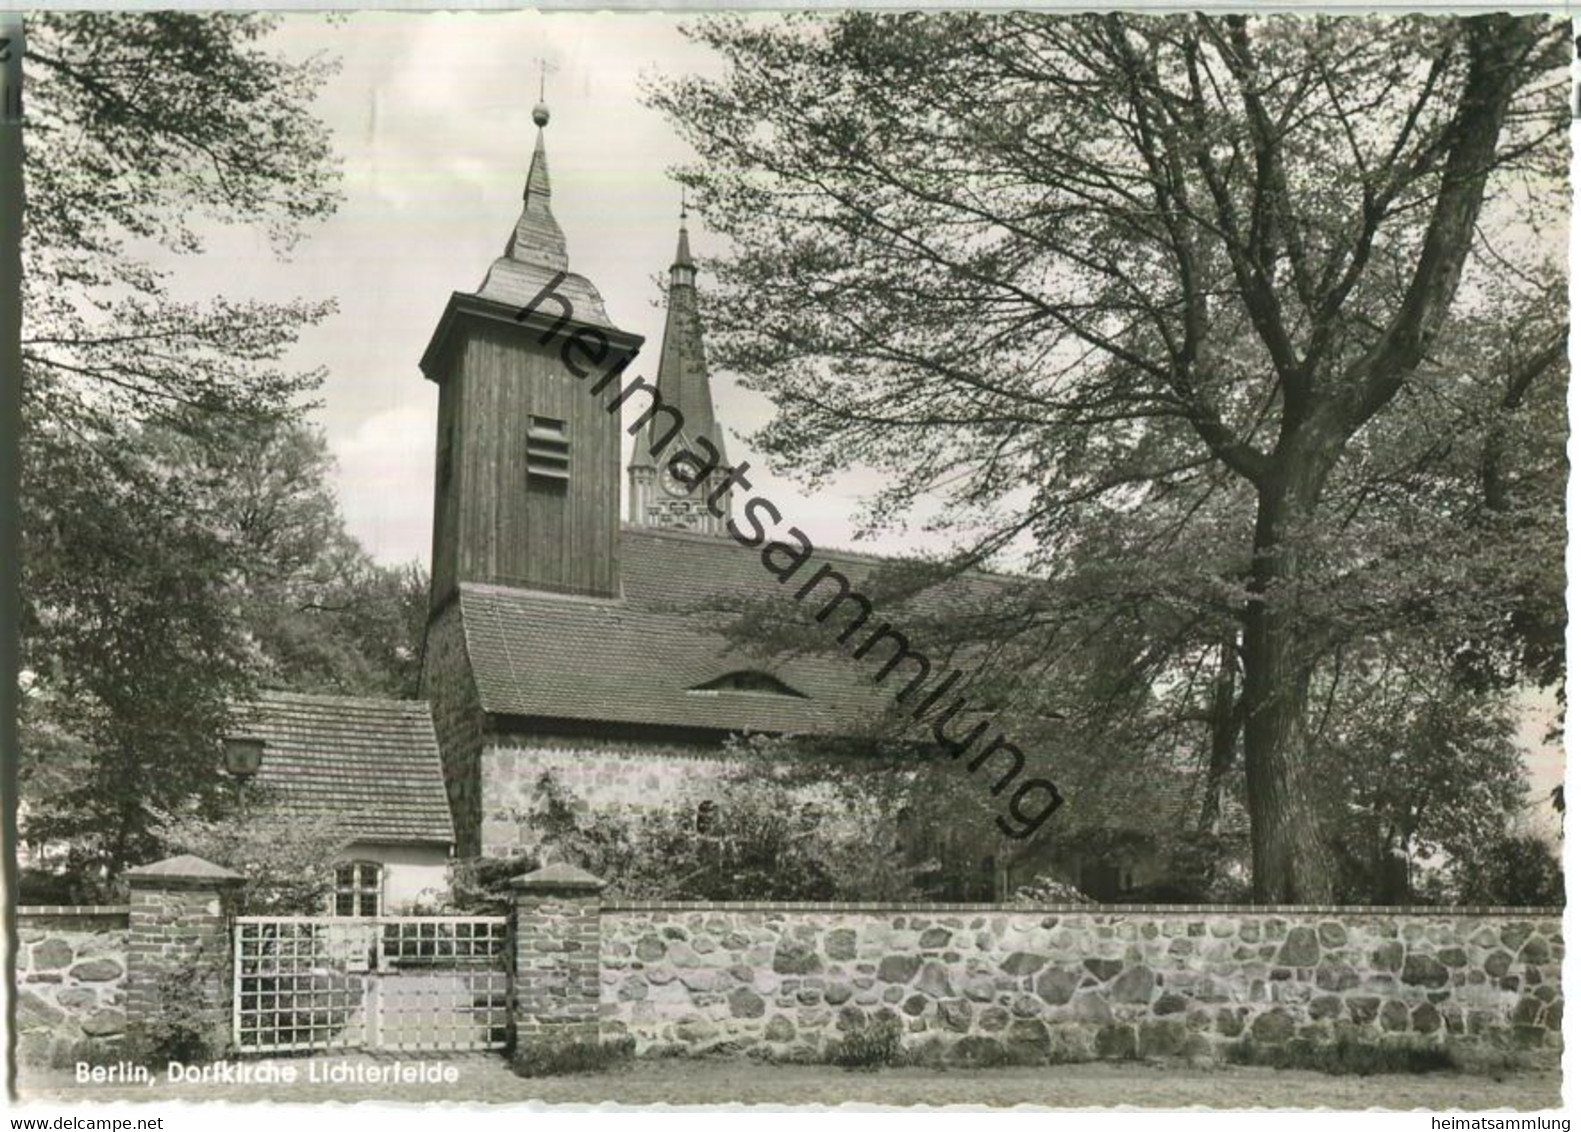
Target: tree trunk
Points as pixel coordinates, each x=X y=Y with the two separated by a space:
x=1289 y=862
x=1224 y=732
x=1392 y=884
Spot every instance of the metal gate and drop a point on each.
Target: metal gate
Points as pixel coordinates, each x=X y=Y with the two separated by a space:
x=426 y=983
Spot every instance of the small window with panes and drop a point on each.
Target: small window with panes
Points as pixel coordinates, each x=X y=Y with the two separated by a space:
x=359 y=889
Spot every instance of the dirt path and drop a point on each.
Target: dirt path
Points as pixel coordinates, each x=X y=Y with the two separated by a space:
x=482 y=1078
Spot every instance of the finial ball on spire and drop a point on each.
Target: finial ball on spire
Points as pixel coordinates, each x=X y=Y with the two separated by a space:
x=540 y=115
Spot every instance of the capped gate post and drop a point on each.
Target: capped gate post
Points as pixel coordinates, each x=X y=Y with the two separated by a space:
x=178 y=962
x=557 y=933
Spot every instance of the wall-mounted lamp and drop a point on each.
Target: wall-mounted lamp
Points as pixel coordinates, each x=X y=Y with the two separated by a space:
x=243 y=757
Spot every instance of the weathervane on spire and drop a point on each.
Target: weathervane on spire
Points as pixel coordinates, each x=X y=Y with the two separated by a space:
x=540 y=112
x=683 y=206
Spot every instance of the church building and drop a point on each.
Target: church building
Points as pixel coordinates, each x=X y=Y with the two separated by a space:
x=560 y=639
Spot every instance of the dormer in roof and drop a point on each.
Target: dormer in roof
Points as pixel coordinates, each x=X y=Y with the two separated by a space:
x=527 y=468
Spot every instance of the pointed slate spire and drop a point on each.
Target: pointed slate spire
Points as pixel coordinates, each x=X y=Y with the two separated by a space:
x=683 y=246
x=683 y=365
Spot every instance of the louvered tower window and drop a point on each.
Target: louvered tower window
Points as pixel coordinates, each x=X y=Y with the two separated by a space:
x=548 y=449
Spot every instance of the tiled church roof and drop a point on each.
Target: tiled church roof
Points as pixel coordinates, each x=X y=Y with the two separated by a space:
x=370 y=765
x=635 y=660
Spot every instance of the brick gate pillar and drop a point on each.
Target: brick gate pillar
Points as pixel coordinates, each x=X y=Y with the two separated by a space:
x=557 y=937
x=178 y=961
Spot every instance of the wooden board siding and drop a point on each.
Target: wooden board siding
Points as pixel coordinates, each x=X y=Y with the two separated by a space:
x=443 y=581
x=493 y=524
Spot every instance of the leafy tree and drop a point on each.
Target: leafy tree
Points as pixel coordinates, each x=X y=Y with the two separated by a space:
x=143 y=128
x=131 y=648
x=281 y=854
x=1519 y=869
x=320 y=614
x=278 y=585
x=1265 y=303
x=1416 y=766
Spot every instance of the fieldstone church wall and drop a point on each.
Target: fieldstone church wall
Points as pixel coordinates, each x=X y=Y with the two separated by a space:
x=71 y=975
x=605 y=775
x=613 y=776
x=1064 y=984
x=452 y=695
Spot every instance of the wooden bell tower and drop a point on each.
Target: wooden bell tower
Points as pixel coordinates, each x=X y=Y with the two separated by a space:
x=527 y=469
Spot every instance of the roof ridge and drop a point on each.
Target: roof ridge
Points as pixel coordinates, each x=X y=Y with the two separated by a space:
x=372 y=765
x=681 y=535
x=406 y=703
x=497 y=589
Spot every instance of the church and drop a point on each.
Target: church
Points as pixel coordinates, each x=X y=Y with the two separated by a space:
x=562 y=640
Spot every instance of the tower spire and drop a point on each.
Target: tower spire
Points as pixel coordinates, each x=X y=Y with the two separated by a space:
x=537 y=238
x=527 y=478
x=682 y=382
x=683 y=271
x=535 y=254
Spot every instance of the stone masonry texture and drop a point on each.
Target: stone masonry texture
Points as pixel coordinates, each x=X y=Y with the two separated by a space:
x=784 y=981
x=610 y=776
x=180 y=933
x=71 y=976
x=607 y=776
x=1073 y=985
x=557 y=966
x=458 y=724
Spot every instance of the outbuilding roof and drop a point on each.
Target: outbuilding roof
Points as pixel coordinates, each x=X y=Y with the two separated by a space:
x=369 y=765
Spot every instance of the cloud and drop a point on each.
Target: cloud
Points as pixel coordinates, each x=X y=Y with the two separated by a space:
x=386 y=473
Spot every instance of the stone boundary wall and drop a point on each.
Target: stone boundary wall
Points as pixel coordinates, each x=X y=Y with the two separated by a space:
x=1076 y=982
x=71 y=975
x=968 y=984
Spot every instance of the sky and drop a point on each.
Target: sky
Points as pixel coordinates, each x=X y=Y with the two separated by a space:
x=431 y=114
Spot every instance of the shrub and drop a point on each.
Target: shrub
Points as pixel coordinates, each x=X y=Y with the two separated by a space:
x=283 y=857
x=1519 y=869
x=977 y=1051
x=41 y=886
x=1044 y=889
x=759 y=844
x=873 y=1044
x=557 y=1059
x=183 y=1025
x=482 y=885
x=1494 y=1063
x=1346 y=1056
